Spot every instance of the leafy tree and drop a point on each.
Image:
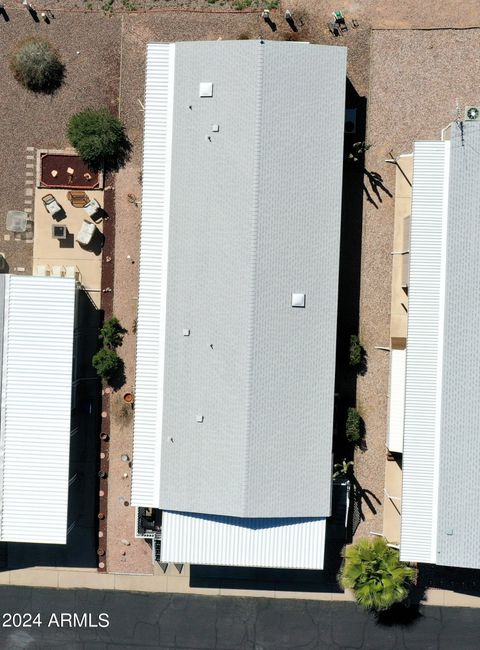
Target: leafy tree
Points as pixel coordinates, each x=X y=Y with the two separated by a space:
x=100 y=139
x=373 y=571
x=36 y=65
x=112 y=333
x=106 y=362
x=353 y=426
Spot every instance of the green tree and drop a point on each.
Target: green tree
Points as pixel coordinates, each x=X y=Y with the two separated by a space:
x=112 y=333
x=373 y=571
x=106 y=362
x=100 y=139
x=36 y=65
x=353 y=426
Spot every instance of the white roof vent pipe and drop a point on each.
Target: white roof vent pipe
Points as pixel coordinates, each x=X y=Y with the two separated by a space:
x=205 y=89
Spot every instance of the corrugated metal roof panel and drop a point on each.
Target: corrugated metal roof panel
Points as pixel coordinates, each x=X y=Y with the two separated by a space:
x=36 y=408
x=458 y=527
x=396 y=411
x=424 y=351
x=153 y=275
x=254 y=217
x=228 y=541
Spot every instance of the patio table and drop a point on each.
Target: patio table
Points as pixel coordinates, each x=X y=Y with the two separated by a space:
x=17 y=221
x=59 y=232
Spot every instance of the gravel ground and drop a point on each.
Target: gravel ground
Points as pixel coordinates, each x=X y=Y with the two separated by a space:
x=138 y=30
x=38 y=121
x=411 y=97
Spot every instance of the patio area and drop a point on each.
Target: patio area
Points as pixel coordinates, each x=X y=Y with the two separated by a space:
x=55 y=246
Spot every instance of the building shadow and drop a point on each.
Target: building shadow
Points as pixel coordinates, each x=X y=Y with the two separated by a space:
x=464 y=581
x=350 y=266
x=300 y=580
x=80 y=549
x=68 y=242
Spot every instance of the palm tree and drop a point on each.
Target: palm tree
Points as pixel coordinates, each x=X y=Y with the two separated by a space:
x=373 y=571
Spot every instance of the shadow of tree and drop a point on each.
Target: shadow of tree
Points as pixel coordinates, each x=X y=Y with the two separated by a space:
x=401 y=614
x=118 y=160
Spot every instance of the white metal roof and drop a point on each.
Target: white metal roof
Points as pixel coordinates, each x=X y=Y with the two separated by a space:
x=424 y=351
x=250 y=218
x=227 y=541
x=38 y=315
x=152 y=293
x=396 y=412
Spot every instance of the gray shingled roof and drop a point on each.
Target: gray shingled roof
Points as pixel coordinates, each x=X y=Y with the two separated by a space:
x=458 y=529
x=254 y=217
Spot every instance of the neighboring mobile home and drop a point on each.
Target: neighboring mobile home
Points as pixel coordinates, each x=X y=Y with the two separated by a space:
x=438 y=384
x=37 y=317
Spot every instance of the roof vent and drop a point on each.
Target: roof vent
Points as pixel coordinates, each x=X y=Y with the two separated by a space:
x=186 y=332
x=215 y=128
x=298 y=300
x=199 y=418
x=206 y=89
x=472 y=113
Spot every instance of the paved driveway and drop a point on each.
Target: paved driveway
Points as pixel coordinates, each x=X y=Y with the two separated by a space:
x=197 y=622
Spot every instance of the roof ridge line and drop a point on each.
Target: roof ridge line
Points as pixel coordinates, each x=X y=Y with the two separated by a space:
x=253 y=251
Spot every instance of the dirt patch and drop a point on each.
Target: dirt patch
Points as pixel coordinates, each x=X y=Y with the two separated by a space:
x=54 y=172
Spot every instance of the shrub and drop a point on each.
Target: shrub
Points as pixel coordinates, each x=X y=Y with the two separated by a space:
x=356 y=351
x=343 y=469
x=99 y=139
x=36 y=65
x=106 y=362
x=358 y=150
x=353 y=427
x=373 y=571
x=112 y=333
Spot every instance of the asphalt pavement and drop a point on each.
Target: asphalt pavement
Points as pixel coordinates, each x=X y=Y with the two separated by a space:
x=99 y=620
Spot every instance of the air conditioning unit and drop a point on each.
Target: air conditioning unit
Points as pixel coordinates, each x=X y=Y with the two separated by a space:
x=472 y=113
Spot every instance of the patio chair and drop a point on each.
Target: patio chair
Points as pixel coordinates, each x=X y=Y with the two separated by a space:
x=339 y=18
x=42 y=270
x=92 y=207
x=78 y=198
x=72 y=272
x=86 y=233
x=51 y=204
x=57 y=271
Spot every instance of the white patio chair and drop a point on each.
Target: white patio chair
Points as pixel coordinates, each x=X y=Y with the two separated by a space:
x=51 y=204
x=92 y=207
x=86 y=233
x=72 y=272
x=57 y=271
x=42 y=270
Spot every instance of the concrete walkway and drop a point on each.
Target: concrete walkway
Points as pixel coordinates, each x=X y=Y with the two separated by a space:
x=178 y=583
